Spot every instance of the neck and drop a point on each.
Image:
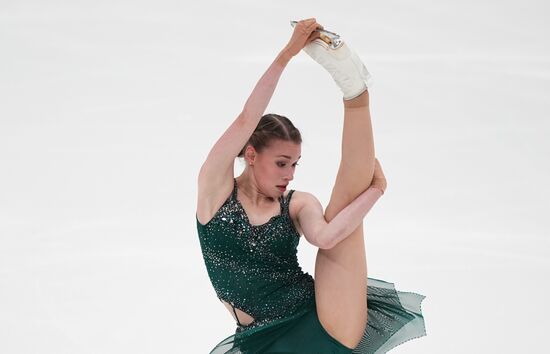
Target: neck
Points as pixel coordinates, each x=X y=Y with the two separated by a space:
x=248 y=188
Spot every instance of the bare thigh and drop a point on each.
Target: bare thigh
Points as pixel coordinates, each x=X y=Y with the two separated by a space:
x=341 y=272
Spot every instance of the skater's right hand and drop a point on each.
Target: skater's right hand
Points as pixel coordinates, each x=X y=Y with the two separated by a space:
x=304 y=32
x=379 y=179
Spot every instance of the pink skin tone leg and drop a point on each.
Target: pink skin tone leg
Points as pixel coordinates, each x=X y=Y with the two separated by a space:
x=341 y=272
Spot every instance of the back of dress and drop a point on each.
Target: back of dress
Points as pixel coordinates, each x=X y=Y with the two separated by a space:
x=255 y=267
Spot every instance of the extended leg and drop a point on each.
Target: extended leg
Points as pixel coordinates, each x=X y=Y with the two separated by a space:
x=341 y=272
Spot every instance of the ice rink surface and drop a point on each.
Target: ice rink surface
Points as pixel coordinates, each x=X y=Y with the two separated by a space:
x=108 y=109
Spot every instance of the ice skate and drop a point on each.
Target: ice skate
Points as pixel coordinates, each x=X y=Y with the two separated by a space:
x=330 y=38
x=343 y=64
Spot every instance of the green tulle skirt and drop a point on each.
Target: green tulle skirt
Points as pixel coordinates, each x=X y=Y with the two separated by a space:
x=394 y=317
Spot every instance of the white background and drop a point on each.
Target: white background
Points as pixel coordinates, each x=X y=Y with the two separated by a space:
x=108 y=109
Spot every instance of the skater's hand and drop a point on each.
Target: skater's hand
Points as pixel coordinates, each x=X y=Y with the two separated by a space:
x=304 y=32
x=378 y=180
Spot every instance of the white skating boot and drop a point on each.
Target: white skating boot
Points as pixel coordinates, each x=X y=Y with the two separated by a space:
x=342 y=63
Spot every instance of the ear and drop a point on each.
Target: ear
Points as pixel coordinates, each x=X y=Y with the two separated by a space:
x=250 y=154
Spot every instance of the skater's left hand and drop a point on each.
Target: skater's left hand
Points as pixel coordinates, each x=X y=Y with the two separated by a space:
x=304 y=32
x=379 y=179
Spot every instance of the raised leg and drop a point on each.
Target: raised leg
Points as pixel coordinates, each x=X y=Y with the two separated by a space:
x=341 y=272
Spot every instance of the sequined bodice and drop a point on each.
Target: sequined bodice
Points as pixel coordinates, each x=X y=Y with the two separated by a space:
x=255 y=267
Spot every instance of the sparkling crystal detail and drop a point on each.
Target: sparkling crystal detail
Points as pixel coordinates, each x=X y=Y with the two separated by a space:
x=248 y=264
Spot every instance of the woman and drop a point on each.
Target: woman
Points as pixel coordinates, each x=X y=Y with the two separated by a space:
x=249 y=228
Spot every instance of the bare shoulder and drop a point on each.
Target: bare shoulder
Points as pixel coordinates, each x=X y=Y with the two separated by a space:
x=297 y=202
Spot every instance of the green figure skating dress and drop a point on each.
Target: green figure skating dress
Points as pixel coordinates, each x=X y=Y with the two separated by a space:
x=255 y=268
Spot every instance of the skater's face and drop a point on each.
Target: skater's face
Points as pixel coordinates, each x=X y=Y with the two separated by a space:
x=274 y=167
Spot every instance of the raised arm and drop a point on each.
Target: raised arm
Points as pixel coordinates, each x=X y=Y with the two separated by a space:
x=326 y=235
x=218 y=166
x=222 y=155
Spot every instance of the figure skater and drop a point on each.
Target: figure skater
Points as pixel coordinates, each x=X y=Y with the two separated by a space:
x=249 y=227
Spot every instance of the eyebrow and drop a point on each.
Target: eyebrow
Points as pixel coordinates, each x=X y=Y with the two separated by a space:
x=288 y=157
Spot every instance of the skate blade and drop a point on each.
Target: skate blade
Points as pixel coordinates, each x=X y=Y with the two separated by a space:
x=332 y=39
